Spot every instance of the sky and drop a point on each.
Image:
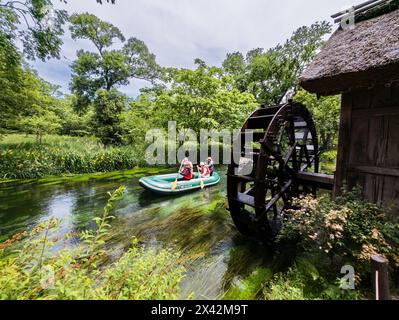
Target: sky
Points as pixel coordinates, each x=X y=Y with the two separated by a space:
x=178 y=31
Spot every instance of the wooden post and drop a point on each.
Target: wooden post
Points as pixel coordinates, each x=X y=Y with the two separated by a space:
x=380 y=277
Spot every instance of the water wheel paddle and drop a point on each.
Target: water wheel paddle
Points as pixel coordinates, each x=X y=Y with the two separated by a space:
x=283 y=163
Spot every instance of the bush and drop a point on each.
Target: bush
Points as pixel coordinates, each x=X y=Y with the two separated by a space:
x=347 y=231
x=305 y=281
x=32 y=266
x=329 y=156
x=22 y=158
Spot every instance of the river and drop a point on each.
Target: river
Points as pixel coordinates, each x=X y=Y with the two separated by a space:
x=197 y=223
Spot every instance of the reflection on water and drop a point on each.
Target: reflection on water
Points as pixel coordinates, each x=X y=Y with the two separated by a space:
x=197 y=223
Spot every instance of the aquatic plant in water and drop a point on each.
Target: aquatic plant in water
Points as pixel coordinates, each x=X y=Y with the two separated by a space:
x=31 y=268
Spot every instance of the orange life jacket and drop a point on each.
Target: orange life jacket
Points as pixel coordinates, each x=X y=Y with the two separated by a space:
x=205 y=172
x=187 y=173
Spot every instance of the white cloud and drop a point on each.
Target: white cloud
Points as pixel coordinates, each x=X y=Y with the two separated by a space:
x=178 y=31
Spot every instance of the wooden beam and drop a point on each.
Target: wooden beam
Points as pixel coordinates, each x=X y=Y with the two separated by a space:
x=344 y=142
x=319 y=180
x=376 y=112
x=376 y=170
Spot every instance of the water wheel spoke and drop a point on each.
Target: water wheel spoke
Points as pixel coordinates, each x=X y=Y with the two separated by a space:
x=276 y=197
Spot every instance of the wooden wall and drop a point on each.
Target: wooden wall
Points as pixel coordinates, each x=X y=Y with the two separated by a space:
x=368 y=152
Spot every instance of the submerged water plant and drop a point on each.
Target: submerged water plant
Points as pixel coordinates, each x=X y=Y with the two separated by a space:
x=33 y=266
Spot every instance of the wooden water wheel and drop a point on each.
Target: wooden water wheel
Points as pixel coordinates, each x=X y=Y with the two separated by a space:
x=280 y=163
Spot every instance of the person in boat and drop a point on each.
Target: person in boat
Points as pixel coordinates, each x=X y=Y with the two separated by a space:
x=187 y=172
x=211 y=167
x=204 y=170
x=185 y=160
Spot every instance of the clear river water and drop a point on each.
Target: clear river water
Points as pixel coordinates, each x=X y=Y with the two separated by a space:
x=197 y=223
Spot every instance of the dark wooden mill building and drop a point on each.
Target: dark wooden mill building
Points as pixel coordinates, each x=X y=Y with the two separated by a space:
x=362 y=64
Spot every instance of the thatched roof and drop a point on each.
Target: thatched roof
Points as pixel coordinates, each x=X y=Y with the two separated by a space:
x=360 y=57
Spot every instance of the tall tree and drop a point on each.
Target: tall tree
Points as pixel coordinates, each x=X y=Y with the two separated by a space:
x=253 y=53
x=24 y=95
x=234 y=64
x=108 y=106
x=38 y=27
x=203 y=98
x=270 y=74
x=108 y=68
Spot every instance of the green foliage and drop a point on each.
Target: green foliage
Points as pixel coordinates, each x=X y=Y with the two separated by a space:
x=27 y=102
x=348 y=231
x=41 y=38
x=74 y=124
x=306 y=279
x=145 y=275
x=234 y=64
x=9 y=55
x=10 y=79
x=142 y=112
x=250 y=288
x=202 y=98
x=303 y=281
x=22 y=158
x=326 y=111
x=328 y=161
x=108 y=105
x=40 y=124
x=108 y=68
x=100 y=33
x=32 y=266
x=97 y=75
x=270 y=75
x=329 y=156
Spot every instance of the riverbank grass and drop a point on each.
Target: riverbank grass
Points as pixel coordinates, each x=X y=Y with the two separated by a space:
x=21 y=157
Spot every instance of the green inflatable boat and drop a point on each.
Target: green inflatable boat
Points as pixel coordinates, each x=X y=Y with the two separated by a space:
x=162 y=184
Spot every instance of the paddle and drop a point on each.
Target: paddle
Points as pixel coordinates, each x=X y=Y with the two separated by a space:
x=174 y=183
x=201 y=181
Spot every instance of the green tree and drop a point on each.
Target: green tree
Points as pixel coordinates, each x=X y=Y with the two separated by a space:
x=203 y=98
x=253 y=53
x=108 y=68
x=42 y=123
x=234 y=64
x=270 y=75
x=24 y=95
x=36 y=24
x=141 y=111
x=325 y=112
x=74 y=124
x=108 y=107
x=96 y=75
